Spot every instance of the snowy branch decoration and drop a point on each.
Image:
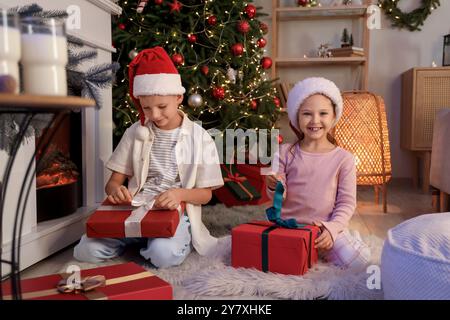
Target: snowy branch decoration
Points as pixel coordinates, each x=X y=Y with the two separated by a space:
x=87 y=84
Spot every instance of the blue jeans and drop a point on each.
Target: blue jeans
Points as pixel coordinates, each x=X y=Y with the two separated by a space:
x=162 y=252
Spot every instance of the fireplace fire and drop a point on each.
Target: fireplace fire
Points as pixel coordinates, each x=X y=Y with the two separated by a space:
x=58 y=183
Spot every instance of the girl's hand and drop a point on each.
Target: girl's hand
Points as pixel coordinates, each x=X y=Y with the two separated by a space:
x=120 y=195
x=271 y=181
x=169 y=199
x=324 y=241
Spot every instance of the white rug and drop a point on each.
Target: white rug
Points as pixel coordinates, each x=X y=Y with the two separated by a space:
x=212 y=277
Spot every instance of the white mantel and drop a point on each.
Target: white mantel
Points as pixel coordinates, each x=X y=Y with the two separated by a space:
x=43 y=239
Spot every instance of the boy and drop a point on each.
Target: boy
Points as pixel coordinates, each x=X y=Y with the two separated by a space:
x=167 y=159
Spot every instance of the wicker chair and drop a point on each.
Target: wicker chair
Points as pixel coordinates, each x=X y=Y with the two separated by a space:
x=363 y=131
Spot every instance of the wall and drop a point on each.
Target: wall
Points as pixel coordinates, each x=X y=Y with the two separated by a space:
x=392 y=52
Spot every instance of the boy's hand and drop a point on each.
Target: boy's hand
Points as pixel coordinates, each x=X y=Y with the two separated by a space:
x=324 y=241
x=271 y=181
x=169 y=199
x=120 y=195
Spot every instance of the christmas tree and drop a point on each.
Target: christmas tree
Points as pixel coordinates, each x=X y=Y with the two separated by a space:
x=218 y=48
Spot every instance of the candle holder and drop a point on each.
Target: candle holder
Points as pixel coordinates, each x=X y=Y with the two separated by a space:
x=44 y=56
x=446 y=51
x=10 y=49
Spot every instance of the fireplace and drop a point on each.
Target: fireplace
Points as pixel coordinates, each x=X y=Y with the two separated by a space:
x=58 y=180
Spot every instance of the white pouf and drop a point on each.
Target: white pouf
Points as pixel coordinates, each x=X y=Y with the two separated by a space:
x=415 y=262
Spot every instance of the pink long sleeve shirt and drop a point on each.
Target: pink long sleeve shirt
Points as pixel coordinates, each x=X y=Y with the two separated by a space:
x=318 y=186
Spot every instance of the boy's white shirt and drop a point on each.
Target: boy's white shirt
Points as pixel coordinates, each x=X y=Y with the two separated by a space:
x=198 y=166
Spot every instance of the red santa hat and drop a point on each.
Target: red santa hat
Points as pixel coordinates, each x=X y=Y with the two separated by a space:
x=152 y=72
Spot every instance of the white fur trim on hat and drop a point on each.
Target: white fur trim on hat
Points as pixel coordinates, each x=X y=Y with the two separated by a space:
x=308 y=87
x=162 y=84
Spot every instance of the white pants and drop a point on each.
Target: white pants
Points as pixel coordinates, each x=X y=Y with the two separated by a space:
x=162 y=252
x=349 y=251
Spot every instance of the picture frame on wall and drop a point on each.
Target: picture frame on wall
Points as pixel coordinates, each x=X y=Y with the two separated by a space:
x=446 y=51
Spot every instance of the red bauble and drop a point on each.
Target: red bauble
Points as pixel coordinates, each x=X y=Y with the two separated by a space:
x=277 y=102
x=177 y=59
x=237 y=49
x=212 y=20
x=261 y=42
x=175 y=6
x=302 y=3
x=264 y=28
x=204 y=70
x=243 y=26
x=250 y=11
x=280 y=139
x=253 y=104
x=122 y=26
x=218 y=93
x=158 y=2
x=266 y=63
x=192 y=38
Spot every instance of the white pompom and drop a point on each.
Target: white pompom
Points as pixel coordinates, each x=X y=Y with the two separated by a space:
x=142 y=133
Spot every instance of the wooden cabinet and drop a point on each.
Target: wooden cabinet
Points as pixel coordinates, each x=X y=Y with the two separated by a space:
x=425 y=91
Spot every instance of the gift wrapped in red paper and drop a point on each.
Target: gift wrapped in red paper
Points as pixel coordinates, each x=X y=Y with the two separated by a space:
x=120 y=221
x=268 y=247
x=127 y=281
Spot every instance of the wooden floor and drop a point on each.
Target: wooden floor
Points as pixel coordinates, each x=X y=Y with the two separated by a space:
x=404 y=202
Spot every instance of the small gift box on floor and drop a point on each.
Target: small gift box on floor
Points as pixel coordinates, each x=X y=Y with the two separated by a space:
x=125 y=221
x=240 y=189
x=280 y=246
x=238 y=184
x=127 y=281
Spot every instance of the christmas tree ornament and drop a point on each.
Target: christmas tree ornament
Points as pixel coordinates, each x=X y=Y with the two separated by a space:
x=277 y=102
x=122 y=26
x=266 y=63
x=243 y=26
x=280 y=139
x=204 y=70
x=132 y=54
x=192 y=38
x=261 y=42
x=142 y=4
x=302 y=3
x=253 y=104
x=250 y=11
x=218 y=93
x=264 y=28
x=231 y=75
x=158 y=2
x=177 y=59
x=212 y=20
x=175 y=6
x=237 y=49
x=195 y=100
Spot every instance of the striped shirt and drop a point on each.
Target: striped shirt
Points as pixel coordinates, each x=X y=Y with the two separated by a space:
x=163 y=170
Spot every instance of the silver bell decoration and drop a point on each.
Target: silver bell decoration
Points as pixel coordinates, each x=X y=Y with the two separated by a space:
x=195 y=100
x=132 y=54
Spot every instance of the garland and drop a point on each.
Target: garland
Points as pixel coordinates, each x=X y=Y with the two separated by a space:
x=411 y=20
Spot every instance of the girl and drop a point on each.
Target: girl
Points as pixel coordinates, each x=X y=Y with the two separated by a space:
x=319 y=177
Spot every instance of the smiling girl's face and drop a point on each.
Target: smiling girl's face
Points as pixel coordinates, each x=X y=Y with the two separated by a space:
x=316 y=117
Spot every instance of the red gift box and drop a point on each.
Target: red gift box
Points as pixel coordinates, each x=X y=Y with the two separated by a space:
x=127 y=281
x=268 y=247
x=253 y=173
x=108 y=221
